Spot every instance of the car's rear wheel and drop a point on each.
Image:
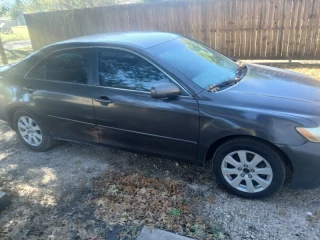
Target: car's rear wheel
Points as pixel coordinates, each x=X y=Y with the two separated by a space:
x=249 y=168
x=32 y=131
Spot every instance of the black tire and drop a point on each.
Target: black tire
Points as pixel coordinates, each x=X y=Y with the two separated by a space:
x=47 y=141
x=270 y=156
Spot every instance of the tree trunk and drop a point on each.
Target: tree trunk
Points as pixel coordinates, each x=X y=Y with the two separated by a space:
x=3 y=53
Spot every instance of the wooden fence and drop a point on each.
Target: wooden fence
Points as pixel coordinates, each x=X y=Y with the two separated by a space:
x=245 y=29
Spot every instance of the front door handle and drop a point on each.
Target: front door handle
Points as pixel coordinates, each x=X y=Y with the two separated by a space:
x=29 y=89
x=103 y=99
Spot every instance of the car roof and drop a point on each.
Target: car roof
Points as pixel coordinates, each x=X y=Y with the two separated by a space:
x=139 y=39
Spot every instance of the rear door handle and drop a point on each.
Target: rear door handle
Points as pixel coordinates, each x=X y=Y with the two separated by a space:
x=29 y=89
x=103 y=99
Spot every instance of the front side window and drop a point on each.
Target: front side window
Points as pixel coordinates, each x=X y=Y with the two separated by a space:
x=202 y=65
x=68 y=66
x=122 y=69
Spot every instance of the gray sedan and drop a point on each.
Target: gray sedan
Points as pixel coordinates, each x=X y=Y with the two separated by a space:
x=170 y=96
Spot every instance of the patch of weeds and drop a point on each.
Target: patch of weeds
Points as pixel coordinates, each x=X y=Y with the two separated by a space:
x=128 y=232
x=198 y=231
x=175 y=212
x=314 y=217
x=113 y=189
x=218 y=234
x=78 y=163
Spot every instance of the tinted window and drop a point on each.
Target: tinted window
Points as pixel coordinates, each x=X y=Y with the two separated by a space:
x=122 y=69
x=68 y=66
x=202 y=65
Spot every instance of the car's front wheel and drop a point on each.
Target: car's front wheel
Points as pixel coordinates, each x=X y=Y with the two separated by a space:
x=249 y=168
x=32 y=131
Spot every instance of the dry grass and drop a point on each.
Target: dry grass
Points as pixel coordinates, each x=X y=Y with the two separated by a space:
x=133 y=199
x=312 y=70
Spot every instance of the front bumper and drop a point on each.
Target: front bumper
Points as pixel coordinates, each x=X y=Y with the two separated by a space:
x=306 y=164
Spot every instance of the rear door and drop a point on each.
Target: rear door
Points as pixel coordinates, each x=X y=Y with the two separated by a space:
x=60 y=90
x=128 y=117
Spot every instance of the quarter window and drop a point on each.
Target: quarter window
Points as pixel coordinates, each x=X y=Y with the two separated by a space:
x=122 y=69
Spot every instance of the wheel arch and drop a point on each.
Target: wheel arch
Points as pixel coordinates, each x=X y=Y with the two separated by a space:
x=215 y=145
x=13 y=109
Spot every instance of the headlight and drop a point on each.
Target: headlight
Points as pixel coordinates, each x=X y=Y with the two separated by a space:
x=312 y=134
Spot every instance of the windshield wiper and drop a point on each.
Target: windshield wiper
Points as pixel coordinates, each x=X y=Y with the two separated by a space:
x=241 y=71
x=226 y=83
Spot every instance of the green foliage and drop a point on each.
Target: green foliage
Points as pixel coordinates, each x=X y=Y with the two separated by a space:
x=4 y=7
x=16 y=9
x=175 y=212
x=113 y=189
x=19 y=33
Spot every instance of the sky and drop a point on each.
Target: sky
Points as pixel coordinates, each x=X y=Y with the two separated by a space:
x=6 y=2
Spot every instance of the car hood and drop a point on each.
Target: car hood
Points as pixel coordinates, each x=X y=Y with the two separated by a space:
x=279 y=83
x=272 y=91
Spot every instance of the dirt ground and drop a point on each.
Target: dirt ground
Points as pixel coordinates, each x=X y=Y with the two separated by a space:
x=77 y=191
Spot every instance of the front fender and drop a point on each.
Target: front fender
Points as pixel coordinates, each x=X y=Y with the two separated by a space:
x=217 y=123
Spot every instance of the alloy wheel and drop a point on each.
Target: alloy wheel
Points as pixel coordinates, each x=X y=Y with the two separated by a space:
x=247 y=171
x=30 y=131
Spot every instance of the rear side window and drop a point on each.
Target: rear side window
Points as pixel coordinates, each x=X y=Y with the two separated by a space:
x=64 y=66
x=68 y=66
x=125 y=70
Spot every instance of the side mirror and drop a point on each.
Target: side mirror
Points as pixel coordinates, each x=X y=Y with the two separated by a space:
x=164 y=90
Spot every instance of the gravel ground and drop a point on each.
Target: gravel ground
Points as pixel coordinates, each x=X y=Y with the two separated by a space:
x=287 y=215
x=58 y=179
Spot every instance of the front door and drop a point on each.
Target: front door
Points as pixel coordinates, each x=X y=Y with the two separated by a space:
x=127 y=116
x=60 y=90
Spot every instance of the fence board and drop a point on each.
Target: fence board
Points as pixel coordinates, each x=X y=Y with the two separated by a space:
x=313 y=29
x=250 y=28
x=232 y=28
x=223 y=45
x=295 y=24
x=218 y=26
x=270 y=29
x=287 y=16
x=245 y=29
x=243 y=25
x=317 y=41
x=304 y=26
x=258 y=25
x=264 y=26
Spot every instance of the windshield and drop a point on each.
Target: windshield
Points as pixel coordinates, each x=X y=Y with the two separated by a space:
x=202 y=65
